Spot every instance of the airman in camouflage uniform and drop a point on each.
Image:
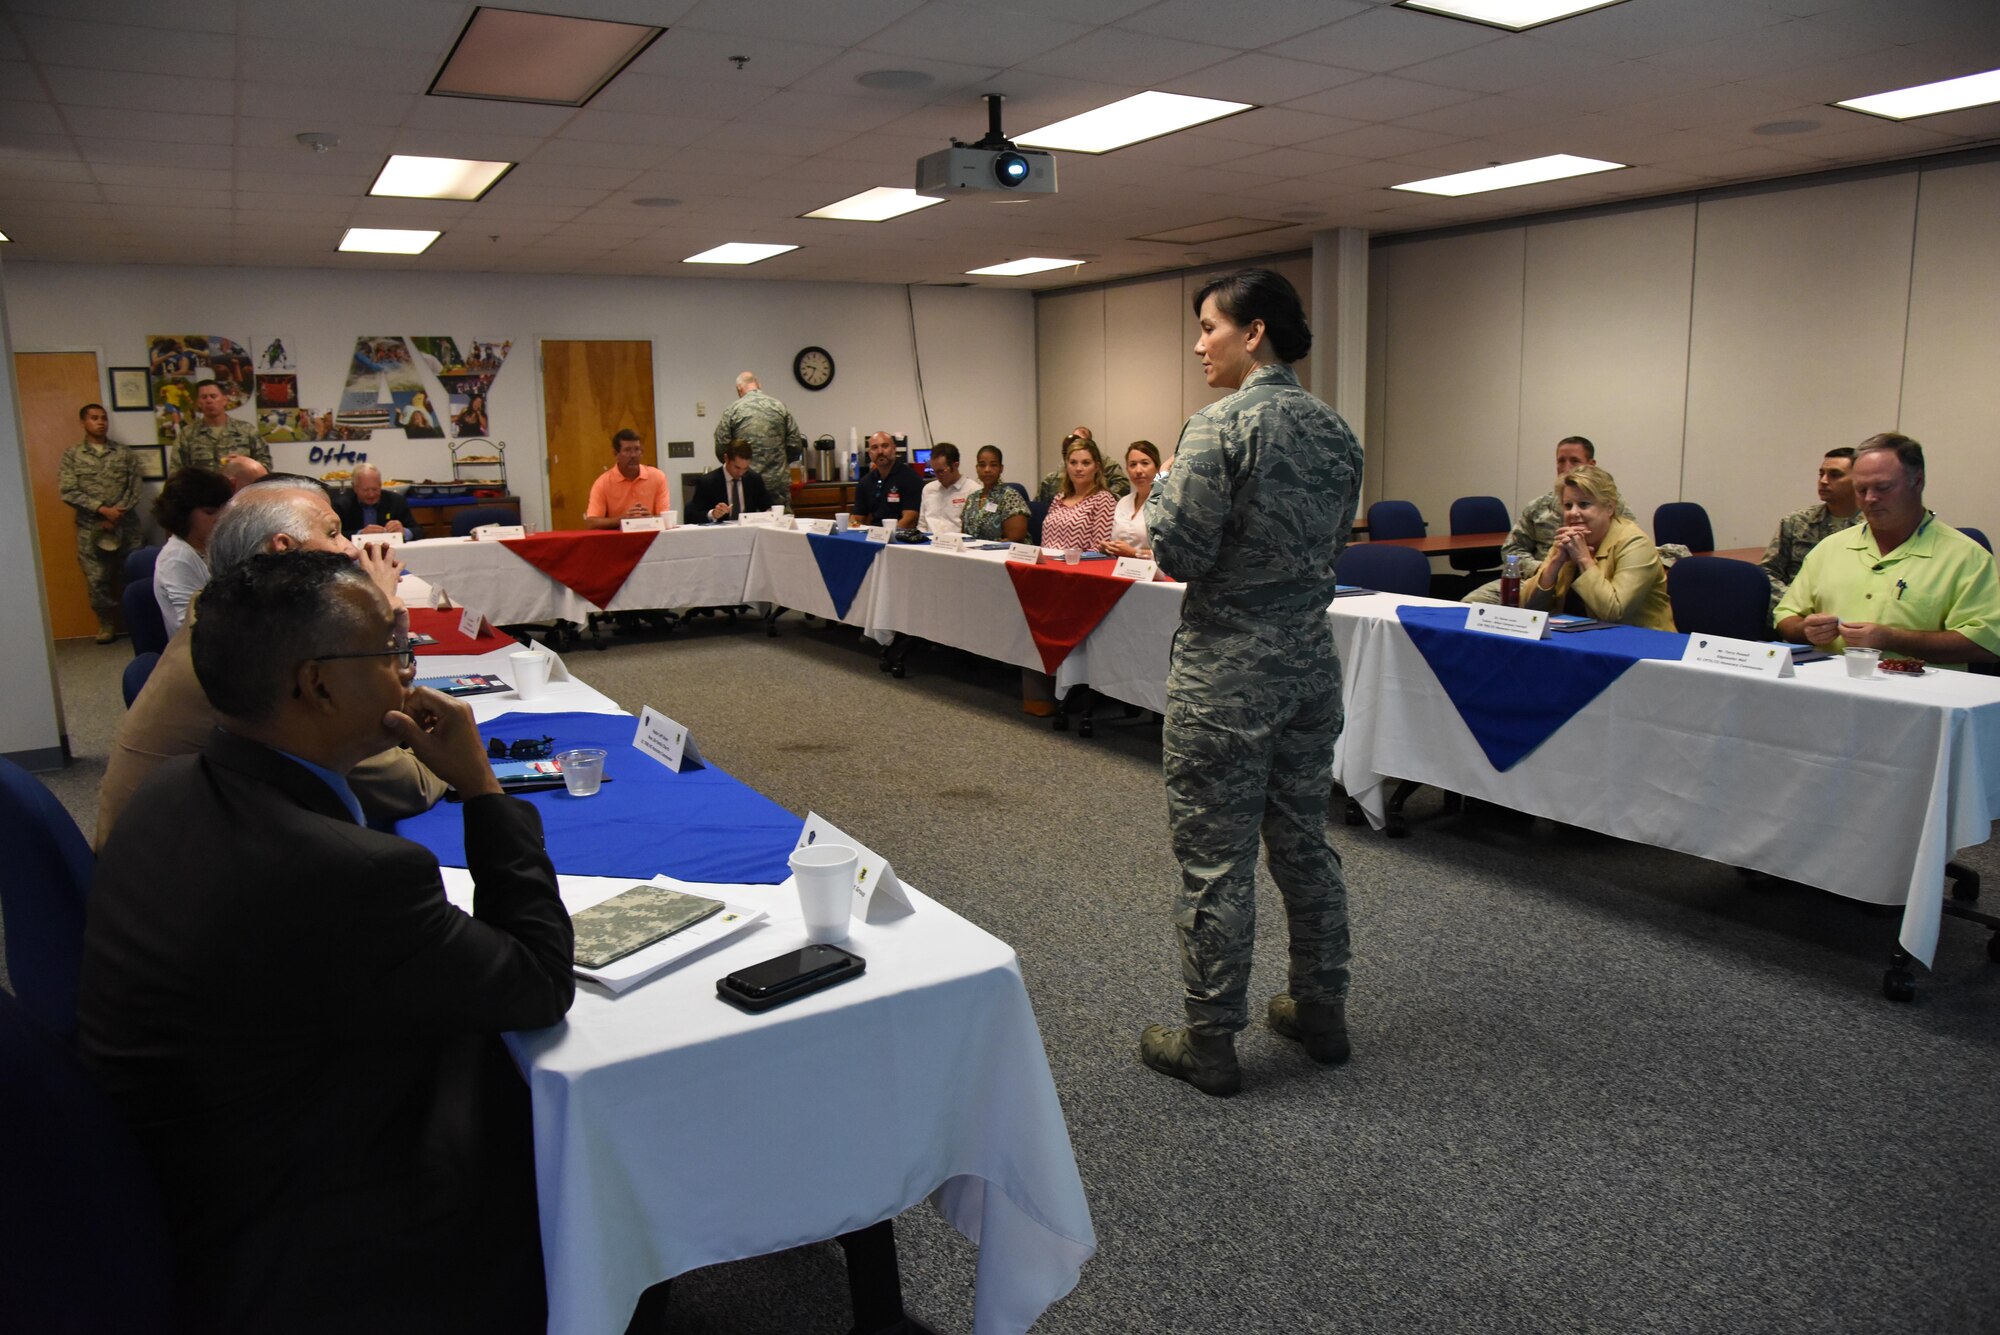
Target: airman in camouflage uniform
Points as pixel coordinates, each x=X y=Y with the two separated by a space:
x=1534 y=532
x=1253 y=515
x=1803 y=530
x=774 y=437
x=203 y=444
x=99 y=475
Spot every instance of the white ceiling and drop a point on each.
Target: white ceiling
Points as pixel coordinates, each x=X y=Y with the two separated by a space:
x=142 y=132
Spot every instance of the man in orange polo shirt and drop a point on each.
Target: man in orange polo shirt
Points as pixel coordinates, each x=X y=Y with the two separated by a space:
x=627 y=490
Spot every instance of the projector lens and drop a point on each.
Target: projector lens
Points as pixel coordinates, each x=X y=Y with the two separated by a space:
x=1010 y=169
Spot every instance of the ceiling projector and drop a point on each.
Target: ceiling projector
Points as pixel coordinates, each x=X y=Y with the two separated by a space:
x=992 y=165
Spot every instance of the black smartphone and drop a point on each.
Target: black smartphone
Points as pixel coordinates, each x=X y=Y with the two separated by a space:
x=787 y=977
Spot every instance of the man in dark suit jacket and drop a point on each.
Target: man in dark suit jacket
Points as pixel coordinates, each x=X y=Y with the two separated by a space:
x=367 y=508
x=301 y=1031
x=731 y=491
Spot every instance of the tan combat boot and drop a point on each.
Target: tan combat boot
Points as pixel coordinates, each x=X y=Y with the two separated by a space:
x=1320 y=1025
x=106 y=632
x=1206 y=1061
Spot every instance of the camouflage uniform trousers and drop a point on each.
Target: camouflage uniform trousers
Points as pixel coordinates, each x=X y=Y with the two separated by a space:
x=104 y=571
x=777 y=475
x=1235 y=772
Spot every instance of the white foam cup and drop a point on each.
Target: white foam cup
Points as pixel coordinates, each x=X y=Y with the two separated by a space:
x=824 y=874
x=531 y=673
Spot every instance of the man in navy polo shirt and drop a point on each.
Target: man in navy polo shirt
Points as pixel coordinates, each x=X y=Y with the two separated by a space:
x=889 y=492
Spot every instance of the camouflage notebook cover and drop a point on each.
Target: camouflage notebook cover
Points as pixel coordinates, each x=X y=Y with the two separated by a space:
x=639 y=917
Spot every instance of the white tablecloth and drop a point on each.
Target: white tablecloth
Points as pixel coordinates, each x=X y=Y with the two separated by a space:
x=1864 y=788
x=700 y=566
x=783 y=571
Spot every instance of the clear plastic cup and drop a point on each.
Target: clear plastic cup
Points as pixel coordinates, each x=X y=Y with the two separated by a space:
x=582 y=770
x=1074 y=556
x=1861 y=662
x=824 y=875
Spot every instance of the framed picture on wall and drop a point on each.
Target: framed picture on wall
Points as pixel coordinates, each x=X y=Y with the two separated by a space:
x=131 y=389
x=152 y=461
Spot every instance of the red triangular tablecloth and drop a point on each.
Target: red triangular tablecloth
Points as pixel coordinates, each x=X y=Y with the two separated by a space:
x=444 y=627
x=594 y=565
x=1064 y=603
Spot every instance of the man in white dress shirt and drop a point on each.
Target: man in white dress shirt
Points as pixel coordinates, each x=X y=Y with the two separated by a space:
x=942 y=509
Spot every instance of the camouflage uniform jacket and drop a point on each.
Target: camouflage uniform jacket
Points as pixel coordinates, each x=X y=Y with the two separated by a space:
x=1535 y=531
x=766 y=424
x=1253 y=516
x=204 y=446
x=1798 y=533
x=1114 y=480
x=94 y=475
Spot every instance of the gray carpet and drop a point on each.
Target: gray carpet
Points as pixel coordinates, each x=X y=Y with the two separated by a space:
x=1596 y=1087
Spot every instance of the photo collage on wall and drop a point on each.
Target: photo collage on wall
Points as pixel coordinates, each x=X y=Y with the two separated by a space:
x=265 y=380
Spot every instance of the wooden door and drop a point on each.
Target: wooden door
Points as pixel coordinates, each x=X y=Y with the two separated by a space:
x=591 y=389
x=53 y=386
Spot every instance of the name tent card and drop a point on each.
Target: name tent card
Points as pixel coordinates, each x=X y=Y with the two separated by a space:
x=877 y=533
x=759 y=519
x=878 y=895
x=1135 y=567
x=388 y=537
x=1523 y=623
x=1025 y=552
x=558 y=670
x=665 y=740
x=498 y=532
x=821 y=526
x=643 y=524
x=469 y=624
x=1766 y=660
x=948 y=542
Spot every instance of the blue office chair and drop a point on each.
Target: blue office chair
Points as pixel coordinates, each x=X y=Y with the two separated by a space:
x=42 y=898
x=1026 y=499
x=1478 y=514
x=1714 y=595
x=1037 y=512
x=89 y=1247
x=143 y=621
x=1978 y=535
x=1396 y=519
x=1686 y=523
x=136 y=673
x=139 y=565
x=1371 y=565
x=476 y=516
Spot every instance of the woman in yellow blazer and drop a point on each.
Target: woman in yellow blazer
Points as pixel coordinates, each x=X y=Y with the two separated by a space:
x=1613 y=568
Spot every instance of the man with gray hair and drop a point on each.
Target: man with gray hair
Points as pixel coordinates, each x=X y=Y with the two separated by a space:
x=775 y=438
x=366 y=508
x=171 y=717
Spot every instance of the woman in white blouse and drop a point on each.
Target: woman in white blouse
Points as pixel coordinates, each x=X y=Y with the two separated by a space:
x=186 y=508
x=1128 y=521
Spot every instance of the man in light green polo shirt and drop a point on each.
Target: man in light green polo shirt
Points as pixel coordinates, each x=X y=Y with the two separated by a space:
x=1902 y=582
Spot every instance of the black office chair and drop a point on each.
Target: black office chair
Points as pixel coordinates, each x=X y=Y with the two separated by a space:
x=136 y=673
x=477 y=516
x=1370 y=565
x=1396 y=519
x=1714 y=595
x=143 y=621
x=1686 y=523
x=1478 y=514
x=1978 y=535
x=42 y=899
x=1037 y=512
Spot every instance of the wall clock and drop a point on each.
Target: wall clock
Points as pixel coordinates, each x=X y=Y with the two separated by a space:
x=813 y=368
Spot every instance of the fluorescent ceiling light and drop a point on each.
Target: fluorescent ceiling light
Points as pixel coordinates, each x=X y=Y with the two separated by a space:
x=387 y=240
x=1139 y=117
x=437 y=178
x=1513 y=15
x=737 y=252
x=877 y=205
x=1015 y=268
x=1510 y=174
x=1928 y=99
x=511 y=56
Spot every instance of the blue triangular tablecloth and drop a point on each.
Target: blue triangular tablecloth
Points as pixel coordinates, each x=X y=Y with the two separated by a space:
x=843 y=564
x=1514 y=694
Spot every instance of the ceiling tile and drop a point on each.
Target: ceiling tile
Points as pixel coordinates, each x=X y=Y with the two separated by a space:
x=1486 y=116
x=973 y=36
x=1386 y=39
x=1766 y=50
x=1276 y=126
x=1381 y=98
x=121 y=46
x=950 y=80
x=143 y=92
x=15 y=170
x=1290 y=162
x=538 y=175
x=1741 y=164
x=1382 y=141
x=31 y=118
x=645 y=95
x=592 y=153
x=690 y=53
x=732 y=165
x=1260 y=79
x=201 y=15
x=302 y=182
x=1734 y=103
x=173 y=181
x=352 y=69
x=1510 y=63
x=395 y=25
x=823 y=111
x=110 y=122
x=174 y=157
x=1596 y=87
x=321 y=108
x=465 y=144
x=1635 y=30
x=1245 y=26
x=1139 y=57
x=844 y=24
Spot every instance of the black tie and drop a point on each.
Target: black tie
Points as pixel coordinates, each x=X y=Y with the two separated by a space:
x=735 y=498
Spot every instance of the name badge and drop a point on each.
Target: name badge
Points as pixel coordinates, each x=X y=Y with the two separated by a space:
x=878 y=895
x=1766 y=660
x=877 y=533
x=665 y=740
x=948 y=542
x=388 y=538
x=469 y=624
x=1134 y=567
x=1025 y=552
x=643 y=524
x=821 y=526
x=1523 y=623
x=499 y=532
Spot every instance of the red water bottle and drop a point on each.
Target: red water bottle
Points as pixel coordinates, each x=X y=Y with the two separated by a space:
x=1510 y=581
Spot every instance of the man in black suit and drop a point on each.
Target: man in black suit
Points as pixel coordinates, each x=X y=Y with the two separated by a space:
x=367 y=508
x=731 y=491
x=301 y=1031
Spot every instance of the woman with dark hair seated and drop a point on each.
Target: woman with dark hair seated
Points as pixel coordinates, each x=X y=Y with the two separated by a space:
x=186 y=508
x=996 y=512
x=1613 y=569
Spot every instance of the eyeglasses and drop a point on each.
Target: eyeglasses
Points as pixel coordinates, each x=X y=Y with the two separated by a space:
x=525 y=748
x=407 y=654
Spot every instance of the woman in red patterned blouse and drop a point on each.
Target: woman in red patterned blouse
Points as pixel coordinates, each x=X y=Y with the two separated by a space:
x=1080 y=515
